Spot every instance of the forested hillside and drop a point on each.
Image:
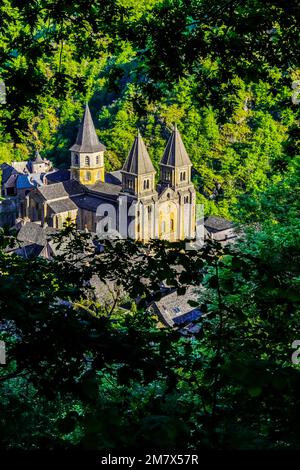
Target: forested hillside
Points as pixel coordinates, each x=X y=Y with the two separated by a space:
x=226 y=72
x=83 y=376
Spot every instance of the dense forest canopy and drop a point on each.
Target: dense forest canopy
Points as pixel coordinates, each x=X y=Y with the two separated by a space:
x=82 y=376
x=223 y=71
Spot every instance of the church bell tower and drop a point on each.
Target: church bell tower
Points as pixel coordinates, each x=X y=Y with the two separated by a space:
x=87 y=154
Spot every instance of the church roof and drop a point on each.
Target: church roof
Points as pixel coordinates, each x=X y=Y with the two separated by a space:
x=138 y=161
x=61 y=190
x=89 y=202
x=175 y=153
x=87 y=139
x=114 y=177
x=62 y=205
x=105 y=189
x=57 y=176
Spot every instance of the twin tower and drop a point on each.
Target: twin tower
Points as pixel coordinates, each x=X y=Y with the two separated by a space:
x=173 y=196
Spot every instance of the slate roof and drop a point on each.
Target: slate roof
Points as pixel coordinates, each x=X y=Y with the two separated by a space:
x=217 y=224
x=107 y=189
x=61 y=190
x=175 y=153
x=7 y=171
x=31 y=250
x=34 y=233
x=62 y=205
x=33 y=239
x=175 y=310
x=114 y=177
x=138 y=161
x=87 y=139
x=57 y=176
x=24 y=181
x=11 y=181
x=88 y=202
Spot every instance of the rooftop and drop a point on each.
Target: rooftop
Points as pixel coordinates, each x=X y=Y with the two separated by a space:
x=175 y=153
x=88 y=202
x=62 y=205
x=216 y=223
x=138 y=161
x=33 y=233
x=57 y=176
x=61 y=190
x=176 y=310
x=107 y=189
x=114 y=177
x=87 y=139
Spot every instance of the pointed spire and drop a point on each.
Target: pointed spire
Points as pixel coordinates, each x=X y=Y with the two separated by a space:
x=138 y=161
x=38 y=158
x=175 y=153
x=87 y=139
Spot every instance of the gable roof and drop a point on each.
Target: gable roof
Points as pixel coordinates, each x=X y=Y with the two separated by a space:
x=11 y=181
x=114 y=177
x=138 y=161
x=105 y=189
x=175 y=153
x=62 y=205
x=7 y=171
x=61 y=190
x=34 y=233
x=87 y=139
x=89 y=202
x=164 y=191
x=57 y=176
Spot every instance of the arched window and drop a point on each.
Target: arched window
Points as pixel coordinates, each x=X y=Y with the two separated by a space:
x=182 y=176
x=87 y=175
x=168 y=176
x=76 y=159
x=146 y=184
x=186 y=199
x=97 y=160
x=87 y=161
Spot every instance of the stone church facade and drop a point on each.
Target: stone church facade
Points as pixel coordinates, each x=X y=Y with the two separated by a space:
x=128 y=202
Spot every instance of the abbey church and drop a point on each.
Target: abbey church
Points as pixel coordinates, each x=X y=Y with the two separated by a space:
x=133 y=201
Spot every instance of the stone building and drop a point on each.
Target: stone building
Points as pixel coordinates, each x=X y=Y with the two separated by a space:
x=128 y=202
